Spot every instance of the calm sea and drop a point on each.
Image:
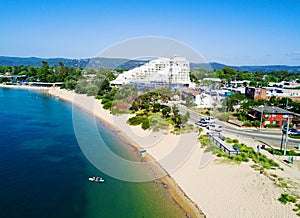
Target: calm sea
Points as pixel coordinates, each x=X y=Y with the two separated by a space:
x=43 y=172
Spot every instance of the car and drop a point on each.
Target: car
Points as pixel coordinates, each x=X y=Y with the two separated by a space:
x=204 y=124
x=294 y=133
x=215 y=127
x=210 y=119
x=198 y=123
x=291 y=131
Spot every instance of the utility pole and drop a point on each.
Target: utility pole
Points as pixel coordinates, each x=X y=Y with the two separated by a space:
x=287 y=130
x=261 y=116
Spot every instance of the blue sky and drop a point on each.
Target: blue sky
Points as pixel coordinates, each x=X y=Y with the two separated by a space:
x=238 y=32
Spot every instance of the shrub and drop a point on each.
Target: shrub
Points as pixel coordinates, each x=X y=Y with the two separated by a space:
x=235 y=141
x=204 y=140
x=137 y=120
x=228 y=140
x=244 y=157
x=242 y=117
x=256 y=123
x=145 y=124
x=285 y=198
x=238 y=159
x=273 y=125
x=107 y=105
x=247 y=123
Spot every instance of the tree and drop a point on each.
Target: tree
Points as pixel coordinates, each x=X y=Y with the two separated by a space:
x=43 y=71
x=176 y=116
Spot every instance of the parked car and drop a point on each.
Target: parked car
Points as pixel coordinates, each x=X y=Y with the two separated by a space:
x=294 y=133
x=215 y=127
x=210 y=119
x=291 y=131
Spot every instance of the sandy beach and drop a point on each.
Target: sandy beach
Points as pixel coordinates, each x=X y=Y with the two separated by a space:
x=218 y=189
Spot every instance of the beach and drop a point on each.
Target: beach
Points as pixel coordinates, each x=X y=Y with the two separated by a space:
x=216 y=189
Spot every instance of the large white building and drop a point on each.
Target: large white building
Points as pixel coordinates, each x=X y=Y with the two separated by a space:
x=174 y=71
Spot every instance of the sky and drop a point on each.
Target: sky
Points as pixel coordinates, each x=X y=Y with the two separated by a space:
x=236 y=32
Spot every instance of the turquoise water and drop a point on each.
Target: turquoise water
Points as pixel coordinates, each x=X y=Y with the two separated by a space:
x=44 y=173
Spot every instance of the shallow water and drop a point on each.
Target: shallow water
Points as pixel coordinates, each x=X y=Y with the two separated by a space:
x=44 y=172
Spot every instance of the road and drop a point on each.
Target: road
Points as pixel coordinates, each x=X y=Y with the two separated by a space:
x=271 y=137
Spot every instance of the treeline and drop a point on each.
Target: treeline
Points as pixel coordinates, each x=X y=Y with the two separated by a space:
x=67 y=75
x=258 y=78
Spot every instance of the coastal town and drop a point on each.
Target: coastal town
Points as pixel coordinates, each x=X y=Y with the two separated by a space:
x=247 y=134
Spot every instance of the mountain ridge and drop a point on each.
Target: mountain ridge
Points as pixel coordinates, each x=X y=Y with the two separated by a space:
x=126 y=63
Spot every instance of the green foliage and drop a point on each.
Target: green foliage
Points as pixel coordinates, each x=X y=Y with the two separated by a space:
x=247 y=123
x=223 y=116
x=107 y=105
x=137 y=120
x=285 y=198
x=256 y=123
x=156 y=107
x=218 y=152
x=145 y=124
x=166 y=111
x=134 y=106
x=297 y=208
x=157 y=122
x=228 y=140
x=294 y=136
x=204 y=140
x=273 y=125
x=279 y=152
x=235 y=141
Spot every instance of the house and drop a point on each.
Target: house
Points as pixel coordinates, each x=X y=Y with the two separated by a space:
x=272 y=115
x=255 y=93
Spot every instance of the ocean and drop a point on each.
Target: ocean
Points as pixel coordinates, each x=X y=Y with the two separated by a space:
x=45 y=174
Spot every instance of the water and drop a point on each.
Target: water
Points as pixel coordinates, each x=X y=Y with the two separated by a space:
x=44 y=173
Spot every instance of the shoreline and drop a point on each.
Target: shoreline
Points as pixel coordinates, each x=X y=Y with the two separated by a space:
x=220 y=188
x=26 y=87
x=176 y=193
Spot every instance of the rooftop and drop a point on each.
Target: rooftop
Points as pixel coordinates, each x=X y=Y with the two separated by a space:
x=272 y=110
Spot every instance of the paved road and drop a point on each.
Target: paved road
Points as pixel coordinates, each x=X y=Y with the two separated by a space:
x=271 y=137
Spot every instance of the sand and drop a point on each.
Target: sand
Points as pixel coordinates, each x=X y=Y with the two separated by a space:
x=219 y=190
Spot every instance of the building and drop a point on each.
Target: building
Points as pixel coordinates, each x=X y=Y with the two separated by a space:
x=255 y=93
x=272 y=115
x=161 y=71
x=268 y=92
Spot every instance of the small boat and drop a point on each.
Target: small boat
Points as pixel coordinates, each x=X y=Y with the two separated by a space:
x=96 y=179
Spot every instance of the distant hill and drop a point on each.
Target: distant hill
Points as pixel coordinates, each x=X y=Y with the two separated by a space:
x=128 y=64
x=267 y=68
